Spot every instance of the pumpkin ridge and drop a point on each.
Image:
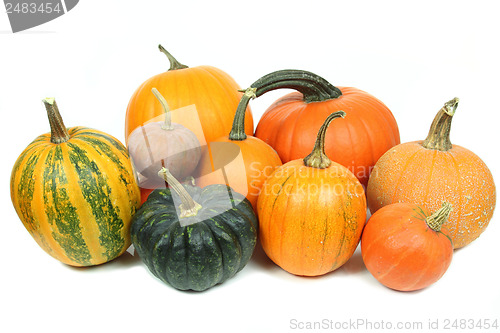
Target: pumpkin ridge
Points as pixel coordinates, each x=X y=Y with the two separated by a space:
x=370 y=142
x=283 y=221
x=403 y=170
x=428 y=182
x=424 y=269
x=62 y=216
x=94 y=186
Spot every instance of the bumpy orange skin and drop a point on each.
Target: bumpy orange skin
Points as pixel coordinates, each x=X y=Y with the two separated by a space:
x=259 y=161
x=213 y=92
x=401 y=251
x=311 y=219
x=369 y=129
x=411 y=173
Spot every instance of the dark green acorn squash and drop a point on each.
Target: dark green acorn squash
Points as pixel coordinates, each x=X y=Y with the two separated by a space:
x=193 y=238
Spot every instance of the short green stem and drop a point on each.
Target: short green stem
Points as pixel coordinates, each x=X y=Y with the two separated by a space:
x=317 y=158
x=58 y=132
x=174 y=64
x=167 y=125
x=436 y=220
x=188 y=206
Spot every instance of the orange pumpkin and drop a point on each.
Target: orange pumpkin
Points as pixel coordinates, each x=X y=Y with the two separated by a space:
x=405 y=248
x=311 y=212
x=432 y=171
x=290 y=125
x=239 y=161
x=212 y=91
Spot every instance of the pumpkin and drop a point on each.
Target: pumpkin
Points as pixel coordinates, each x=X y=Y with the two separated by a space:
x=429 y=172
x=75 y=192
x=193 y=238
x=311 y=212
x=163 y=144
x=213 y=93
x=405 y=248
x=257 y=159
x=291 y=123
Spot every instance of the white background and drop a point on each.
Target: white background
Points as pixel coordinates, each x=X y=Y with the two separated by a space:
x=414 y=56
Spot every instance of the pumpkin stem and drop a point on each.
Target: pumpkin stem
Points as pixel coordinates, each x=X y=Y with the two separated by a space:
x=439 y=217
x=188 y=207
x=238 y=130
x=168 y=118
x=312 y=86
x=317 y=158
x=439 y=133
x=58 y=132
x=174 y=64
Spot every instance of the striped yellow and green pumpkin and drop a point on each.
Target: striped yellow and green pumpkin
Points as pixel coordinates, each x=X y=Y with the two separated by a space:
x=75 y=191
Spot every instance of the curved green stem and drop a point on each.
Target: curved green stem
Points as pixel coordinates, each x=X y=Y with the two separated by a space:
x=174 y=64
x=167 y=125
x=317 y=158
x=436 y=220
x=439 y=133
x=312 y=86
x=238 y=130
x=188 y=206
x=58 y=132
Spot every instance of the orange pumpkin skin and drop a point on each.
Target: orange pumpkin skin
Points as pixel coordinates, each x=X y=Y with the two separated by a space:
x=429 y=172
x=311 y=219
x=212 y=91
x=401 y=251
x=259 y=161
x=290 y=126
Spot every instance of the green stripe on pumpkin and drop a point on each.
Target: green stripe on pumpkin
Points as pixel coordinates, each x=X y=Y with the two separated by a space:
x=97 y=193
x=61 y=213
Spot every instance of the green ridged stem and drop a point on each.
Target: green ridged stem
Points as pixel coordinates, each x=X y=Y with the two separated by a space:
x=174 y=63
x=167 y=125
x=436 y=220
x=439 y=133
x=317 y=158
x=188 y=206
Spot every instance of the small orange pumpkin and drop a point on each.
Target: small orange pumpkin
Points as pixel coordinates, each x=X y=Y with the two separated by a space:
x=290 y=125
x=405 y=248
x=257 y=159
x=311 y=212
x=212 y=91
x=432 y=171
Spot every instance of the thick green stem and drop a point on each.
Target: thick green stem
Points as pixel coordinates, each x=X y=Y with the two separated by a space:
x=436 y=220
x=167 y=125
x=312 y=86
x=317 y=158
x=238 y=130
x=439 y=133
x=58 y=132
x=174 y=64
x=188 y=206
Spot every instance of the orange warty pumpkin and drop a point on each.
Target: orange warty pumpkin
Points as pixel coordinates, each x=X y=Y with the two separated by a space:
x=239 y=161
x=429 y=172
x=290 y=125
x=311 y=212
x=212 y=91
x=405 y=248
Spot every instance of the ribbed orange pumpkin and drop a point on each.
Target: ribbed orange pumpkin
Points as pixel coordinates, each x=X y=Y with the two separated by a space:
x=212 y=91
x=429 y=172
x=239 y=161
x=405 y=248
x=290 y=125
x=311 y=213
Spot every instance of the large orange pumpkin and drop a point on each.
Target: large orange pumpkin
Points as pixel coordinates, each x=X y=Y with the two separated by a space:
x=429 y=172
x=241 y=161
x=290 y=125
x=311 y=212
x=212 y=91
